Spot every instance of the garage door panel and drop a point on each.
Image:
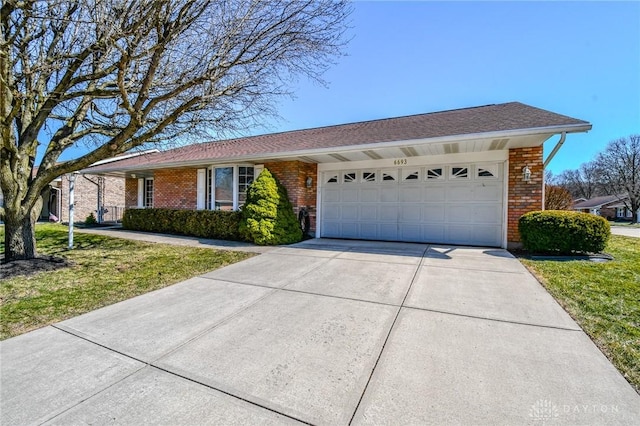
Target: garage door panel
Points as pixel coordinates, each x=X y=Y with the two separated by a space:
x=487 y=213
x=433 y=233
x=459 y=213
x=489 y=233
x=350 y=194
x=434 y=193
x=331 y=195
x=410 y=212
x=369 y=230
x=487 y=192
x=350 y=230
x=410 y=232
x=433 y=213
x=459 y=192
x=369 y=195
x=388 y=231
x=460 y=234
x=349 y=212
x=369 y=212
x=389 y=193
x=410 y=193
x=331 y=212
x=388 y=212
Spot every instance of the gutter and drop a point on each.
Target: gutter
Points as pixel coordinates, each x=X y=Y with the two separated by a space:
x=555 y=150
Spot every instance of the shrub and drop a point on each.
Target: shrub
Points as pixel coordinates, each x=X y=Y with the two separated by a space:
x=91 y=219
x=563 y=232
x=216 y=224
x=267 y=215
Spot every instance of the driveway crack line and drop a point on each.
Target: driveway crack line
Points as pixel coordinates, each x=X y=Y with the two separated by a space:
x=493 y=319
x=393 y=324
x=152 y=365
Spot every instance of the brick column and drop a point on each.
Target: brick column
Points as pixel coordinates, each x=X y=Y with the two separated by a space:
x=293 y=176
x=523 y=197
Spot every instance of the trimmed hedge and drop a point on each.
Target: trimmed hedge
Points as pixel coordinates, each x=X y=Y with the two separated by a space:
x=563 y=232
x=267 y=215
x=216 y=224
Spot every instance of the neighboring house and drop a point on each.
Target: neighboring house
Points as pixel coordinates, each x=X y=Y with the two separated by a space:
x=453 y=177
x=609 y=206
x=104 y=196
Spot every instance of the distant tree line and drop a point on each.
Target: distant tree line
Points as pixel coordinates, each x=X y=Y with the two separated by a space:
x=614 y=171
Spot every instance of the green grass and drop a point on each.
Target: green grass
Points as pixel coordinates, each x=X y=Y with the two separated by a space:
x=104 y=271
x=604 y=298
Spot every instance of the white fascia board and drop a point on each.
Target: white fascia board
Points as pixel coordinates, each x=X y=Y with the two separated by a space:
x=460 y=158
x=548 y=131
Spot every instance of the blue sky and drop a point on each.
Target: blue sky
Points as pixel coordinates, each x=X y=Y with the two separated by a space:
x=580 y=59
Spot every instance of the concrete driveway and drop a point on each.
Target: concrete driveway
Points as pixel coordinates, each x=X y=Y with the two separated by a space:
x=324 y=332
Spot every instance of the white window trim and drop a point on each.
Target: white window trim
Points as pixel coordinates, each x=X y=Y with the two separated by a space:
x=236 y=181
x=201 y=189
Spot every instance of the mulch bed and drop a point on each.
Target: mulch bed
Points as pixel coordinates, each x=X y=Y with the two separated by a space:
x=31 y=266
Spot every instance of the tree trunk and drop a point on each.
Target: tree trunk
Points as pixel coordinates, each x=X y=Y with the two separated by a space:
x=20 y=237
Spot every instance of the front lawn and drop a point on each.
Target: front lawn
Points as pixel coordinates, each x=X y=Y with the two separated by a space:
x=604 y=298
x=103 y=271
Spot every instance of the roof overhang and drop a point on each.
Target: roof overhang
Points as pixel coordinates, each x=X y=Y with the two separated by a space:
x=453 y=144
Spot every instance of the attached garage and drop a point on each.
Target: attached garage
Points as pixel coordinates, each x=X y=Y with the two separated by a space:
x=451 y=203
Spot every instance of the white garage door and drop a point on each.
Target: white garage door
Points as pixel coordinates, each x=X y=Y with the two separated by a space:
x=453 y=204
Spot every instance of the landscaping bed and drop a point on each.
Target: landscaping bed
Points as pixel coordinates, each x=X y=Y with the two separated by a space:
x=99 y=271
x=603 y=298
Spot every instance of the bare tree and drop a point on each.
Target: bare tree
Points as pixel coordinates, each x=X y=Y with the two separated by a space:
x=619 y=167
x=116 y=74
x=583 y=182
x=557 y=198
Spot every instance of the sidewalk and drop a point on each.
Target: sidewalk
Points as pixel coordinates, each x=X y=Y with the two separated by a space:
x=179 y=240
x=627 y=231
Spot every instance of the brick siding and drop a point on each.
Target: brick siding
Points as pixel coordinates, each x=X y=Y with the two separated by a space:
x=523 y=196
x=293 y=176
x=85 y=196
x=175 y=188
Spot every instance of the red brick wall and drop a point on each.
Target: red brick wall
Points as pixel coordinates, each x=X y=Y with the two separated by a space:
x=293 y=176
x=175 y=188
x=523 y=196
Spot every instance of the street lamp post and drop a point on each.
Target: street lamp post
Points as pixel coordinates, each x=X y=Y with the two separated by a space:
x=72 y=184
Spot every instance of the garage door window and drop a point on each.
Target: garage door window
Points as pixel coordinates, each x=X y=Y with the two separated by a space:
x=332 y=178
x=410 y=174
x=459 y=173
x=489 y=171
x=435 y=173
x=349 y=177
x=368 y=176
x=390 y=176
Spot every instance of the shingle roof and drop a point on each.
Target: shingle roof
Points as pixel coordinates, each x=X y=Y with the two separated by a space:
x=467 y=121
x=598 y=201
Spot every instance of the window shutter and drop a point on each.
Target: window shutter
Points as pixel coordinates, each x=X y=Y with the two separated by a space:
x=140 y=193
x=201 y=189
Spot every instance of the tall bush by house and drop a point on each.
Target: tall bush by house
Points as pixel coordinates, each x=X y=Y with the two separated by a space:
x=563 y=232
x=267 y=215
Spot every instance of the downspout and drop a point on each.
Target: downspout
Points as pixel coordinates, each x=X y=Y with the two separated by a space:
x=555 y=149
x=99 y=208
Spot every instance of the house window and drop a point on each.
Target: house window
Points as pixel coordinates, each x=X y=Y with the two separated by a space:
x=223 y=193
x=227 y=186
x=245 y=178
x=148 y=193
